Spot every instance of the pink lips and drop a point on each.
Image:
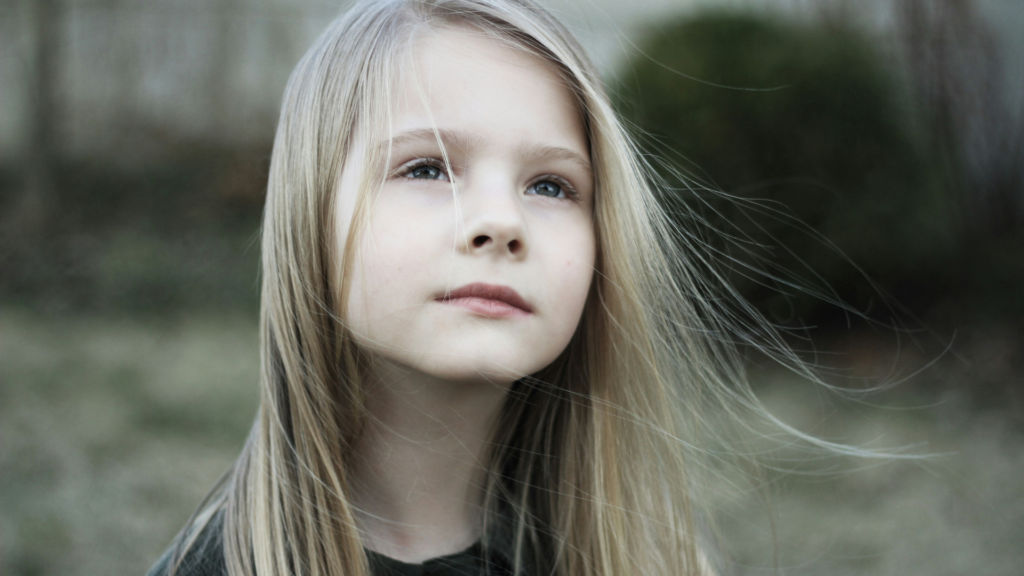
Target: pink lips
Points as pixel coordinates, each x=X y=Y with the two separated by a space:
x=488 y=300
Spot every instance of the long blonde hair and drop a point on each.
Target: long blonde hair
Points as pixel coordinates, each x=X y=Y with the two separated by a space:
x=598 y=458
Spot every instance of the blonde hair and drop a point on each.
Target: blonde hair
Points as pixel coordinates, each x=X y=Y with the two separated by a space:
x=598 y=457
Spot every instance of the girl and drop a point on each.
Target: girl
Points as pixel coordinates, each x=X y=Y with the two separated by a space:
x=485 y=350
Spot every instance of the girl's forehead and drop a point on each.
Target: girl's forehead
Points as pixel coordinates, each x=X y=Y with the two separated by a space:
x=433 y=56
x=469 y=77
x=472 y=41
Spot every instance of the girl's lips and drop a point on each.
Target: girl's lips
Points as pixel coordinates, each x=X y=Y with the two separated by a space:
x=488 y=300
x=487 y=307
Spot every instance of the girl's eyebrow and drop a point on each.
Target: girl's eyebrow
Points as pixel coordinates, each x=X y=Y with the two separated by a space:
x=541 y=151
x=451 y=139
x=457 y=140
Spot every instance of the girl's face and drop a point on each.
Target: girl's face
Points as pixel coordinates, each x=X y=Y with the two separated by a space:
x=491 y=284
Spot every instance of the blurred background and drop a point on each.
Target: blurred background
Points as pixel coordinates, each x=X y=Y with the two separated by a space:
x=871 y=155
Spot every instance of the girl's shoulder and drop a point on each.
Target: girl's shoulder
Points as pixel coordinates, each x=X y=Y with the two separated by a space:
x=205 y=557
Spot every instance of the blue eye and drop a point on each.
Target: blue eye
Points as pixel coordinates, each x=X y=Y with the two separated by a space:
x=425 y=172
x=547 y=188
x=422 y=169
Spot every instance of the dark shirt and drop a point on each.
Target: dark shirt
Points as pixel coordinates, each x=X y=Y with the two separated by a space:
x=472 y=561
x=206 y=558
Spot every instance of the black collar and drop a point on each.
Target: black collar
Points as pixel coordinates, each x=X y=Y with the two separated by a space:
x=473 y=561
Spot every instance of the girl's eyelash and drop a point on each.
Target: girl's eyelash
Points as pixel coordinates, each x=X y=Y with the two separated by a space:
x=570 y=190
x=411 y=165
x=406 y=168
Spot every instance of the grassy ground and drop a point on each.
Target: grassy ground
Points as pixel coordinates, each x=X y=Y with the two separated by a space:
x=959 y=511
x=111 y=431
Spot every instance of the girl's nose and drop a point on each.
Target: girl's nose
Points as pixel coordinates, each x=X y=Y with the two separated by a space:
x=495 y=222
x=514 y=246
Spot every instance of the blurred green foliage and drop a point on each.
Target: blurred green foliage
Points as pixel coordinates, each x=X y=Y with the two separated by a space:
x=152 y=237
x=796 y=145
x=791 y=147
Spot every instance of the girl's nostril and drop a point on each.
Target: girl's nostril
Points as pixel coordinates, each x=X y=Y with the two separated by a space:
x=480 y=240
x=514 y=246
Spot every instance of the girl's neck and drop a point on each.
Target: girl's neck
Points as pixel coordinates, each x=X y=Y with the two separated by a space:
x=419 y=467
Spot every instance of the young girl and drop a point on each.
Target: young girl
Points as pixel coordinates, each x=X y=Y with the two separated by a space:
x=485 y=349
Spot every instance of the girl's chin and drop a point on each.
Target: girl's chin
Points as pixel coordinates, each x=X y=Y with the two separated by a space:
x=470 y=372
x=459 y=361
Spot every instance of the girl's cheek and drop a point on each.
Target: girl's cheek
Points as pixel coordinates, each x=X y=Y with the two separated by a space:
x=394 y=256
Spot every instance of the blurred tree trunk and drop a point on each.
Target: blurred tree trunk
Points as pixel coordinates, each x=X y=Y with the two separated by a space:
x=35 y=205
x=224 y=60
x=127 y=27
x=958 y=78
